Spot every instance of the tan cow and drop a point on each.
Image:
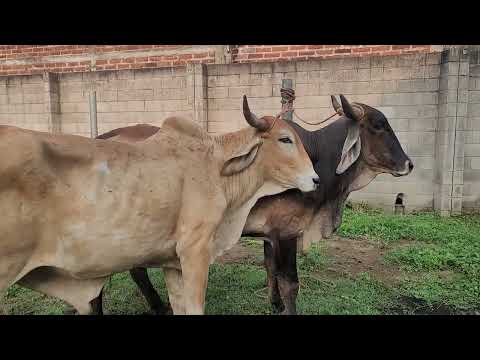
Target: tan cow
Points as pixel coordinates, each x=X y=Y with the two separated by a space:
x=75 y=210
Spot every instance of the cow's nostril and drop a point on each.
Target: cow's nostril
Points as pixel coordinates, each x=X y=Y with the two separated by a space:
x=410 y=165
x=316 y=180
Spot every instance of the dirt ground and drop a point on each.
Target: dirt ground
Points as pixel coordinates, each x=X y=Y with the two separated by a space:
x=349 y=257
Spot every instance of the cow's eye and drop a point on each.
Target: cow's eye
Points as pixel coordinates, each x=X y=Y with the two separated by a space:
x=285 y=140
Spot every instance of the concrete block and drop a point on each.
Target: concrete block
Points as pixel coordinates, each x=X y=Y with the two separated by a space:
x=424 y=162
x=364 y=63
x=464 y=69
x=75 y=107
x=135 y=94
x=319 y=76
x=174 y=82
x=463 y=82
x=312 y=102
x=473 y=97
x=261 y=68
x=347 y=88
x=170 y=94
x=432 y=71
x=308 y=66
x=416 y=111
x=226 y=104
x=38 y=118
x=399 y=124
x=15 y=97
x=164 y=105
x=417 y=72
x=433 y=59
x=261 y=91
x=396 y=73
x=300 y=78
x=284 y=67
x=138 y=84
x=377 y=74
x=125 y=74
x=68 y=96
x=363 y=75
x=475 y=163
x=218 y=92
x=459 y=163
x=33 y=98
x=383 y=86
x=239 y=91
x=425 y=124
x=104 y=95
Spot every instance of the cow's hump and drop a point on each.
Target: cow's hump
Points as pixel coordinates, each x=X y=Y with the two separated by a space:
x=184 y=126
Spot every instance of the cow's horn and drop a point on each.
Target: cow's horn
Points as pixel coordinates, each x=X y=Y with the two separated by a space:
x=252 y=119
x=354 y=111
x=336 y=105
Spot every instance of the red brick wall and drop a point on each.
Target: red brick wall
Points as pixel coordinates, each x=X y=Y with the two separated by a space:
x=255 y=53
x=32 y=59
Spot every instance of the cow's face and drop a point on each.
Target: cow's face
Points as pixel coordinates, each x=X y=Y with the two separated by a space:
x=286 y=161
x=372 y=136
x=279 y=151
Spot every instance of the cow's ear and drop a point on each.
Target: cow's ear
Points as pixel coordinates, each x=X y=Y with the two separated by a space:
x=241 y=160
x=351 y=148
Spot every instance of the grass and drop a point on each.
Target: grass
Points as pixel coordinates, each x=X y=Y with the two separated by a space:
x=438 y=258
x=435 y=244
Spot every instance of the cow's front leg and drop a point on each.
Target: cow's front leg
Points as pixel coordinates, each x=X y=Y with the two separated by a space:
x=140 y=276
x=269 y=249
x=195 y=264
x=287 y=277
x=174 y=281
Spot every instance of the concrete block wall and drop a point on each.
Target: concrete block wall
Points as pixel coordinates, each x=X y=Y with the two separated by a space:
x=123 y=98
x=471 y=175
x=22 y=102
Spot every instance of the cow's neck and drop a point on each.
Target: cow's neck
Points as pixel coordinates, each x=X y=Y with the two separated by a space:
x=361 y=177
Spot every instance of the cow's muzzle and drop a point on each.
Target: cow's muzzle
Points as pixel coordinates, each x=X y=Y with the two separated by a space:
x=308 y=183
x=408 y=168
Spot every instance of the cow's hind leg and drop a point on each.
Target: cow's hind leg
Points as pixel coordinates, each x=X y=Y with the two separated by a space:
x=269 y=249
x=287 y=277
x=97 y=304
x=140 y=276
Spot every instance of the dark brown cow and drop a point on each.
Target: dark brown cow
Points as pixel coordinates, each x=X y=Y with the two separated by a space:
x=351 y=152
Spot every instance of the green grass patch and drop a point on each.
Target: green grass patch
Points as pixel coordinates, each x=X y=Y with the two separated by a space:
x=438 y=243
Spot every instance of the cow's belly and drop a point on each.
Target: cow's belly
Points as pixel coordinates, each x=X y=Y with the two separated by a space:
x=107 y=231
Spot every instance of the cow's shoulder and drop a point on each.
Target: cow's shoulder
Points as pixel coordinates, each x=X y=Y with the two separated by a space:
x=184 y=126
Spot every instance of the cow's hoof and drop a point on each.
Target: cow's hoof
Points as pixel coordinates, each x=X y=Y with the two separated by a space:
x=163 y=311
x=70 y=311
x=278 y=307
